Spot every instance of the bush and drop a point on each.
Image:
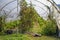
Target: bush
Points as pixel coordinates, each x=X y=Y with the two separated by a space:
x=49 y=29
x=12 y=24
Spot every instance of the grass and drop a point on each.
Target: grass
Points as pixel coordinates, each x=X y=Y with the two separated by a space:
x=35 y=29
x=26 y=37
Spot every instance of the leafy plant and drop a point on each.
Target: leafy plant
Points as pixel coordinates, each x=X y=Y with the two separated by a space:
x=50 y=28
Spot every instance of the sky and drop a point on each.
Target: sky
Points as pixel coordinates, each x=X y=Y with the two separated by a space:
x=12 y=5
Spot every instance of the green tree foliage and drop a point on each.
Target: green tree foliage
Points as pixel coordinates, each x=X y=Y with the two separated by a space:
x=50 y=28
x=2 y=23
x=28 y=16
x=12 y=24
x=46 y=27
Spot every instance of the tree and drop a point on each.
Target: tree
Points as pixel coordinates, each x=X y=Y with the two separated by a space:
x=2 y=21
x=1 y=24
x=56 y=11
x=27 y=16
x=53 y=13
